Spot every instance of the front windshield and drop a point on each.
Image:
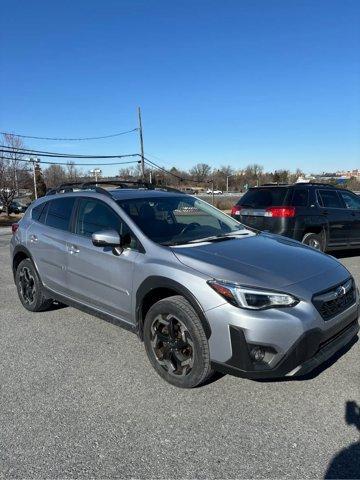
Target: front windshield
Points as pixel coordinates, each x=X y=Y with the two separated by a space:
x=179 y=219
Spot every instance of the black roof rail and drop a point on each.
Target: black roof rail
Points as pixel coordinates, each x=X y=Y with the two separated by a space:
x=275 y=184
x=73 y=186
x=119 y=184
x=320 y=184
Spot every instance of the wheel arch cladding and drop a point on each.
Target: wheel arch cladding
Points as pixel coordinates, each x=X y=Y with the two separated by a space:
x=155 y=288
x=20 y=253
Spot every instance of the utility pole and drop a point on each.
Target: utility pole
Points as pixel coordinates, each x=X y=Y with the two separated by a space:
x=34 y=160
x=141 y=146
x=96 y=172
x=227 y=181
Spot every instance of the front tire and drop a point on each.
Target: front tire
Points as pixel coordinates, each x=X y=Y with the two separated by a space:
x=176 y=344
x=314 y=240
x=29 y=287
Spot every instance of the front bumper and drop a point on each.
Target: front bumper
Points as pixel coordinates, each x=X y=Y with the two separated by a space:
x=314 y=347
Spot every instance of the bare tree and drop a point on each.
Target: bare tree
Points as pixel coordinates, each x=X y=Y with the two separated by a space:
x=201 y=172
x=134 y=173
x=126 y=173
x=71 y=172
x=7 y=190
x=281 y=176
x=16 y=166
x=221 y=175
x=54 y=175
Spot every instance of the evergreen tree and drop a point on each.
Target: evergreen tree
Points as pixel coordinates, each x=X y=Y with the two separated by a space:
x=40 y=182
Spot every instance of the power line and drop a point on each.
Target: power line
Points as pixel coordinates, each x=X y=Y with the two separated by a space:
x=70 y=139
x=153 y=164
x=154 y=156
x=73 y=163
x=25 y=151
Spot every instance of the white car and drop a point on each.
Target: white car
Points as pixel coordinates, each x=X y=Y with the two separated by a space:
x=216 y=192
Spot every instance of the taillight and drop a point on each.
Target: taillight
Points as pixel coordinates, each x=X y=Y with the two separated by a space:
x=14 y=228
x=235 y=210
x=282 y=212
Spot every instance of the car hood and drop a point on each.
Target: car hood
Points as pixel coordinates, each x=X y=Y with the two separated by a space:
x=262 y=260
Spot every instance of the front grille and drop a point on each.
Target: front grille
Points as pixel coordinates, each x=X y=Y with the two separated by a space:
x=335 y=300
x=344 y=330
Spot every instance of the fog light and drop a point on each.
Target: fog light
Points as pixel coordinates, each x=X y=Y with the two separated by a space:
x=257 y=354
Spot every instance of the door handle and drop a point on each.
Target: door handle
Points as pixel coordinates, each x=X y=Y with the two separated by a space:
x=73 y=249
x=33 y=238
x=325 y=212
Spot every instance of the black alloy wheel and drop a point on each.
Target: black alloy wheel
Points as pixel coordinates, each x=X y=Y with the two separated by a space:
x=176 y=343
x=172 y=344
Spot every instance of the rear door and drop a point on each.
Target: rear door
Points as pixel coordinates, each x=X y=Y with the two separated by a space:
x=47 y=239
x=338 y=217
x=352 y=203
x=95 y=276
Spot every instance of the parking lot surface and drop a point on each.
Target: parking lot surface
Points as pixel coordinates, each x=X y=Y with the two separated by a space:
x=79 y=399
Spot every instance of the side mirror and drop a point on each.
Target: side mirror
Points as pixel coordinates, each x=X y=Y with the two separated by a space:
x=106 y=238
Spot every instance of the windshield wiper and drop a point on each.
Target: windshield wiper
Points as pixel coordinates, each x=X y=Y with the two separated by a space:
x=237 y=232
x=213 y=238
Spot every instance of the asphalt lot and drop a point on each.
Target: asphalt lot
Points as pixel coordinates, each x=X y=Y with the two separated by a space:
x=78 y=399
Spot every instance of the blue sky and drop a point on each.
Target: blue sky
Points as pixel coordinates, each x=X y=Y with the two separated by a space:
x=275 y=82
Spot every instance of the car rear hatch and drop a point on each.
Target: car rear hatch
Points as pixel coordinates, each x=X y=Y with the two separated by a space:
x=265 y=208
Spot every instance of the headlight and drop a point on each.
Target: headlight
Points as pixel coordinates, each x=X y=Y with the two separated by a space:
x=251 y=298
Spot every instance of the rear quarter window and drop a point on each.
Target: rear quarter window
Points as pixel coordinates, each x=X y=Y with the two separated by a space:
x=59 y=213
x=300 y=197
x=36 y=211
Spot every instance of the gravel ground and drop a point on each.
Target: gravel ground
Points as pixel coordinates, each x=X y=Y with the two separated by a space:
x=78 y=399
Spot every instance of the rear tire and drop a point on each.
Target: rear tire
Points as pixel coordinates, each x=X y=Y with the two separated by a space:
x=29 y=287
x=314 y=240
x=176 y=344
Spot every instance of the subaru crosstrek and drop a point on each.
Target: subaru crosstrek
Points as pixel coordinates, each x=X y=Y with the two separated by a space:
x=202 y=291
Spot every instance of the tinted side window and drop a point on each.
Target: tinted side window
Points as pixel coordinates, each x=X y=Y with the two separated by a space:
x=300 y=197
x=36 y=211
x=94 y=215
x=59 y=213
x=330 y=199
x=351 y=200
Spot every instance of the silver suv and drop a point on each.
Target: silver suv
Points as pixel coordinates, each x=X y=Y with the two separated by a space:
x=203 y=292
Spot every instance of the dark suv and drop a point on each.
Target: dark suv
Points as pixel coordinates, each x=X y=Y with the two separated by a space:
x=316 y=214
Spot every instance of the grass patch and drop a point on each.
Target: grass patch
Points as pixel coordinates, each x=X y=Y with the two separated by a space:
x=222 y=203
